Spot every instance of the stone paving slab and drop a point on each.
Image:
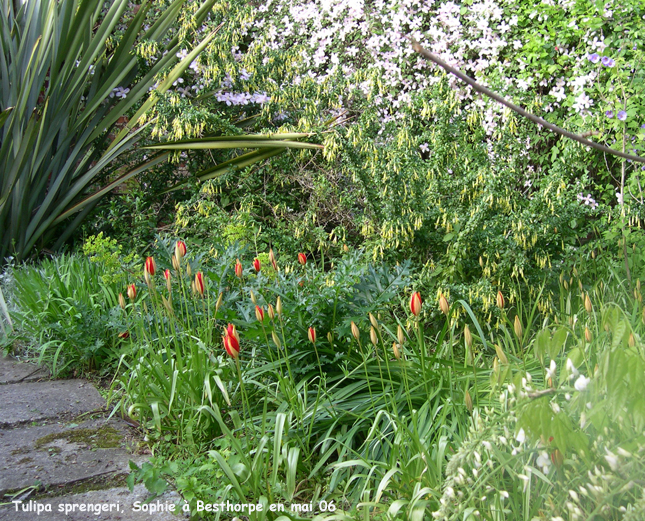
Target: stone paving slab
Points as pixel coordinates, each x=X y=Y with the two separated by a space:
x=121 y=500
x=59 y=454
x=37 y=401
x=12 y=371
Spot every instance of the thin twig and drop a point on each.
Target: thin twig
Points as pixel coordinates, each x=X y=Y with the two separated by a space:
x=520 y=110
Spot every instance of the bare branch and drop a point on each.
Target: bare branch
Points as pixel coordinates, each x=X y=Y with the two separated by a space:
x=520 y=110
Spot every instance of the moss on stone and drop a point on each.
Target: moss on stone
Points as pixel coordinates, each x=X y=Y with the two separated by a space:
x=105 y=437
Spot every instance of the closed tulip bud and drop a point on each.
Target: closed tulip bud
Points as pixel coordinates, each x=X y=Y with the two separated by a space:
x=121 y=301
x=373 y=321
x=517 y=326
x=193 y=287
x=253 y=299
x=557 y=458
x=302 y=258
x=146 y=276
x=259 y=313
x=311 y=333
x=272 y=260
x=500 y=300
x=468 y=401
x=588 y=305
x=256 y=264
x=500 y=354
x=580 y=284
x=278 y=307
x=561 y=277
x=167 y=303
x=175 y=262
x=345 y=248
x=632 y=340
x=565 y=284
x=638 y=284
x=395 y=350
x=166 y=275
x=231 y=331
x=643 y=316
x=180 y=250
x=330 y=337
x=496 y=365
x=238 y=268
x=355 y=332
x=271 y=312
x=415 y=303
x=151 y=266
x=373 y=336
x=443 y=305
x=132 y=291
x=588 y=336
x=593 y=254
x=218 y=304
x=468 y=336
x=125 y=335
x=481 y=262
x=276 y=340
x=199 y=283
x=189 y=271
x=231 y=346
x=399 y=335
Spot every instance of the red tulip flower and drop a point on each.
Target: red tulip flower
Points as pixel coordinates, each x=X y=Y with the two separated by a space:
x=132 y=291
x=259 y=313
x=312 y=335
x=199 y=283
x=238 y=268
x=302 y=258
x=256 y=264
x=415 y=303
x=166 y=274
x=180 y=249
x=231 y=341
x=151 y=267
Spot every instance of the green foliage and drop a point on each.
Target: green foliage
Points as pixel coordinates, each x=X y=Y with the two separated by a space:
x=61 y=71
x=62 y=311
x=107 y=253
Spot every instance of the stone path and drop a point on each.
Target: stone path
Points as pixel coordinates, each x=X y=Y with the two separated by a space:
x=60 y=455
